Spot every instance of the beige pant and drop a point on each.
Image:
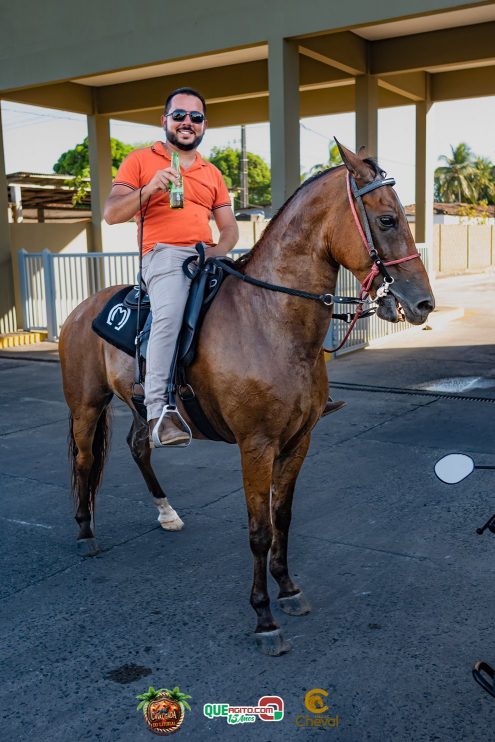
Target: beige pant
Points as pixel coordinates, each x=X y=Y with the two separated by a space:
x=168 y=289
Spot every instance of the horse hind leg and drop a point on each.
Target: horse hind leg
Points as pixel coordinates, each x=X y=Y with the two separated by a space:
x=138 y=442
x=285 y=472
x=89 y=435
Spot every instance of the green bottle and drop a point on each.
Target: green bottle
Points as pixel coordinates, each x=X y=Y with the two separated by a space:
x=176 y=191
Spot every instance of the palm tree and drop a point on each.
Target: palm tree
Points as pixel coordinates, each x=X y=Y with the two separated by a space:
x=483 y=180
x=176 y=695
x=150 y=695
x=453 y=181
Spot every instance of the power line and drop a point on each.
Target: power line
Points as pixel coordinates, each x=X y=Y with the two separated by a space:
x=313 y=131
x=53 y=115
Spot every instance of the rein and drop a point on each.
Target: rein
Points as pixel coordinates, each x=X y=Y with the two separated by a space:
x=327 y=299
x=378 y=266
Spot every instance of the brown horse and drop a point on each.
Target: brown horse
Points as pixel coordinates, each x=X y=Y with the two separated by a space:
x=259 y=371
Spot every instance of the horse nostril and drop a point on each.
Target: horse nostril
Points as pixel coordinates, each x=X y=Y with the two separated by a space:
x=426 y=306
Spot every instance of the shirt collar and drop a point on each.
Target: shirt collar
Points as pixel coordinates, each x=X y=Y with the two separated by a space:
x=160 y=149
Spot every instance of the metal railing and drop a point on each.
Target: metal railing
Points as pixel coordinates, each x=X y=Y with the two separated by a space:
x=53 y=284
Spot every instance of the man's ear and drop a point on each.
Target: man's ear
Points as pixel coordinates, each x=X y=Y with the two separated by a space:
x=354 y=163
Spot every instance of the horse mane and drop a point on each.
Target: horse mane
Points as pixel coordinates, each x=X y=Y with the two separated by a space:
x=377 y=170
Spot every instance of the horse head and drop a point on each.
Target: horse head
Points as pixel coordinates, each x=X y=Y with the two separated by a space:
x=378 y=241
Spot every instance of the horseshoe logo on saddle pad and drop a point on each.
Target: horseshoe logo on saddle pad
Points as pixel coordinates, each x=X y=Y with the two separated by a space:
x=114 y=320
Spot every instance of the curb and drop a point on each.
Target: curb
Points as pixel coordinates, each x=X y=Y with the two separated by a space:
x=437 y=319
x=16 y=339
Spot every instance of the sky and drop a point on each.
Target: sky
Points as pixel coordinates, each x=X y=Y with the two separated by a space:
x=35 y=137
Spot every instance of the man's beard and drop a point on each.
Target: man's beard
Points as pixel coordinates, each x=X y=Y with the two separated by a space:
x=172 y=138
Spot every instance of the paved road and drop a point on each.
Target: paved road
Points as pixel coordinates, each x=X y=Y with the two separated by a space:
x=401 y=586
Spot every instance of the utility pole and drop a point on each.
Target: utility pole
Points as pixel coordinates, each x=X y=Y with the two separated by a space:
x=244 y=170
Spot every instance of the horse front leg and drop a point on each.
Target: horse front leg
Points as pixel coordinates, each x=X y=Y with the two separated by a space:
x=285 y=472
x=257 y=465
x=138 y=442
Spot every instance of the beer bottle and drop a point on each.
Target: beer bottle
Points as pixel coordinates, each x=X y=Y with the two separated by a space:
x=176 y=191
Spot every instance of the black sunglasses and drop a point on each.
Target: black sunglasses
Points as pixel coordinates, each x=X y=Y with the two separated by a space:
x=180 y=115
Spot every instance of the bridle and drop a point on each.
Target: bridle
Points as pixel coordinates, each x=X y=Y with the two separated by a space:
x=355 y=194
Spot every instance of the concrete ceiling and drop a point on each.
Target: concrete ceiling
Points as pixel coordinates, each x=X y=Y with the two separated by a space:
x=179 y=66
x=423 y=24
x=450 y=53
x=376 y=32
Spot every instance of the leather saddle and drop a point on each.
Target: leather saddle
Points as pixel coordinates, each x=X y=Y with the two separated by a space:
x=117 y=321
x=117 y=324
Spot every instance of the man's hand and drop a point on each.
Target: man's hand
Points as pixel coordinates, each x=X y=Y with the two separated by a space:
x=122 y=204
x=161 y=182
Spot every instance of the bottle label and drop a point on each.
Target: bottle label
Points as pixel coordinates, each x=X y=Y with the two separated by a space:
x=176 y=191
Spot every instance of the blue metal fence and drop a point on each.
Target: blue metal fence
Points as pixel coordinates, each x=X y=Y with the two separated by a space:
x=53 y=284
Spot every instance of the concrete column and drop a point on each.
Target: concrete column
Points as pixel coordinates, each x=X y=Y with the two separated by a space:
x=425 y=168
x=367 y=113
x=283 y=84
x=8 y=322
x=100 y=163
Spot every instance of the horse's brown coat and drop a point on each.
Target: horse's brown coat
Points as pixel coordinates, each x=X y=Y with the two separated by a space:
x=260 y=372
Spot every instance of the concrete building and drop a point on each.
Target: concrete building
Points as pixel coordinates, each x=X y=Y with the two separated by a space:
x=273 y=62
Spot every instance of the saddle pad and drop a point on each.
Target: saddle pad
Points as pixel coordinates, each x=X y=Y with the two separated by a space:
x=116 y=322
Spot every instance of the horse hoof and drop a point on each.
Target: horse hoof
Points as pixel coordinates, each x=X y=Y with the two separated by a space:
x=272 y=643
x=168 y=518
x=295 y=605
x=172 y=525
x=87 y=547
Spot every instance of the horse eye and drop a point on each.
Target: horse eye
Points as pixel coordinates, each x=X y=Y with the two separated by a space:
x=387 y=221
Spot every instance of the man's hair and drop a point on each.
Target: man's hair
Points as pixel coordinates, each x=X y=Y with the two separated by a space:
x=184 y=91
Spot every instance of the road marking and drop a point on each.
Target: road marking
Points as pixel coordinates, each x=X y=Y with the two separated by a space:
x=25 y=523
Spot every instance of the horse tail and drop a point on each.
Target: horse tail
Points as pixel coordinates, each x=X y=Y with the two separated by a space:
x=99 y=449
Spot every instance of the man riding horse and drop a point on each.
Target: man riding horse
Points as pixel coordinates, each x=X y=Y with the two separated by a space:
x=141 y=189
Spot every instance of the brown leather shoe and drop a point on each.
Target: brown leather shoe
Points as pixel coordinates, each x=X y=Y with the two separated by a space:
x=169 y=434
x=332 y=406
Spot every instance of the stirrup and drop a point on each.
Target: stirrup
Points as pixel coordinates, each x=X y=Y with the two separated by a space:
x=171 y=411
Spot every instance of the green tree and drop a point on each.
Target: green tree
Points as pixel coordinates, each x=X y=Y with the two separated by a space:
x=334 y=159
x=454 y=180
x=483 y=180
x=75 y=162
x=228 y=160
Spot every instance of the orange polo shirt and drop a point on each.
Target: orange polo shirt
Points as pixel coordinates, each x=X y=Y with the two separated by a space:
x=204 y=191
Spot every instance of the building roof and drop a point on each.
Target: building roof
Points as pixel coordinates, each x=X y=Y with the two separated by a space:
x=456 y=209
x=47 y=191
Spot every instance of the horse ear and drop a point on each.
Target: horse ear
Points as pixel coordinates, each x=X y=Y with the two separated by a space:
x=354 y=163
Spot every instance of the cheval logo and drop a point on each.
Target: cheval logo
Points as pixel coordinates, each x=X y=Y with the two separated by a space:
x=315 y=702
x=118 y=316
x=268 y=708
